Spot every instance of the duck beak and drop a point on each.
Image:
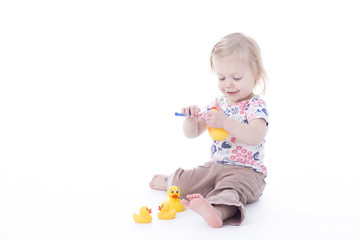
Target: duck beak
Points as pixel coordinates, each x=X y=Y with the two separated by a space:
x=175 y=196
x=149 y=210
x=159 y=207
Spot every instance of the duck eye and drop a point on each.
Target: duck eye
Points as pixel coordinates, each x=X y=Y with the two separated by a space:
x=172 y=191
x=177 y=191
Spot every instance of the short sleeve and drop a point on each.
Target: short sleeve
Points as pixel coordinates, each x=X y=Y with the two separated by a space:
x=257 y=109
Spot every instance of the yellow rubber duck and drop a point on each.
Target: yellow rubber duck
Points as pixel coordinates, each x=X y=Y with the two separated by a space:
x=165 y=212
x=218 y=134
x=173 y=200
x=144 y=216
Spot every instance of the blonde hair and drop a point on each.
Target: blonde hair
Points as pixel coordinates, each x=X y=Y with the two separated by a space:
x=246 y=48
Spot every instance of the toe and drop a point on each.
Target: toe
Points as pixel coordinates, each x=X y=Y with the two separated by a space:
x=185 y=202
x=198 y=196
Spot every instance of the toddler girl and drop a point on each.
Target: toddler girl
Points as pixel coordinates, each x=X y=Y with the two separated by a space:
x=234 y=176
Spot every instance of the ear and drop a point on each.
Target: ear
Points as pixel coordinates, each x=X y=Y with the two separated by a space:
x=257 y=77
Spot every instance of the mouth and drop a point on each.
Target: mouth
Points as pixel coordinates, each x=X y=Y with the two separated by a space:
x=174 y=196
x=231 y=93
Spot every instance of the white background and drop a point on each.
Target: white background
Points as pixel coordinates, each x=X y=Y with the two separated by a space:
x=88 y=90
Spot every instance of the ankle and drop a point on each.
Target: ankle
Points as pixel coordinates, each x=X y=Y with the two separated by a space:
x=226 y=211
x=219 y=212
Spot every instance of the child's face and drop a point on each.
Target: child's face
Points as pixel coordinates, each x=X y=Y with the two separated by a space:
x=236 y=80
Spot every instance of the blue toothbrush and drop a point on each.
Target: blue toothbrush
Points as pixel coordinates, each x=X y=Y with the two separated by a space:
x=180 y=114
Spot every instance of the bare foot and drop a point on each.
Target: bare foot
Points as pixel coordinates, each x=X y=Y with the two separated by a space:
x=158 y=182
x=202 y=207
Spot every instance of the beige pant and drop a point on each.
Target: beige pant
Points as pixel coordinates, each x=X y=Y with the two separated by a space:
x=221 y=184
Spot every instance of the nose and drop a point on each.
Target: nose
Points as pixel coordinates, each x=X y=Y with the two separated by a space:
x=229 y=83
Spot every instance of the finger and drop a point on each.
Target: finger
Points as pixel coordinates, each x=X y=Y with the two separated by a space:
x=197 y=110
x=188 y=112
x=192 y=111
x=208 y=119
x=185 y=111
x=217 y=105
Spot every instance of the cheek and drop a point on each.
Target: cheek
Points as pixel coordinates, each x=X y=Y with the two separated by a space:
x=246 y=84
x=239 y=85
x=221 y=85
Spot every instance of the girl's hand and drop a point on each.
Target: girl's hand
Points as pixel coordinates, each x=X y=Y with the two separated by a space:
x=191 y=112
x=216 y=119
x=193 y=125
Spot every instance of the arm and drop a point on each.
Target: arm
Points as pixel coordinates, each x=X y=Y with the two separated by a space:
x=251 y=134
x=193 y=125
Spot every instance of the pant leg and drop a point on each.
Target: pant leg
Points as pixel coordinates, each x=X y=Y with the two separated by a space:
x=228 y=197
x=198 y=180
x=237 y=186
x=226 y=211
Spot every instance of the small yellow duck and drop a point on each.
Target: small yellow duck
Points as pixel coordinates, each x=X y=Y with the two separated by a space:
x=218 y=134
x=173 y=200
x=144 y=216
x=165 y=212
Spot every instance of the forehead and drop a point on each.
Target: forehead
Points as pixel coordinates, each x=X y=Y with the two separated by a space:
x=231 y=64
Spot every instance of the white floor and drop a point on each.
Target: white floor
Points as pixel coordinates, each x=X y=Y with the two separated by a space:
x=282 y=213
x=32 y=209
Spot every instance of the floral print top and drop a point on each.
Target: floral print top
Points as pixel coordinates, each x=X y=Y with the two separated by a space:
x=232 y=152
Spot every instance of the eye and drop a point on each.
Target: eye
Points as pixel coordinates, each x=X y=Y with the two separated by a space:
x=237 y=79
x=172 y=191
x=177 y=191
x=222 y=79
